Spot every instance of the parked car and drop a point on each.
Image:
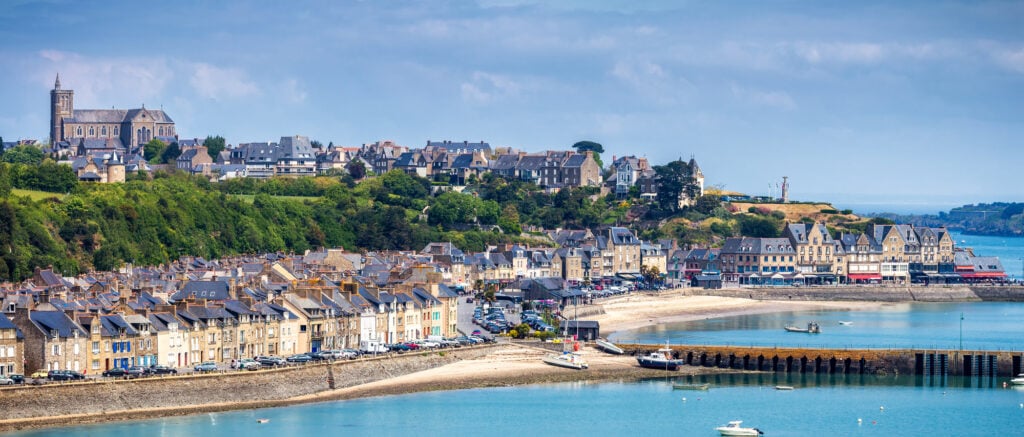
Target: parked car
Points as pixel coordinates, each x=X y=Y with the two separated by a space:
x=270 y=361
x=17 y=378
x=206 y=366
x=350 y=354
x=476 y=332
x=116 y=372
x=64 y=375
x=40 y=374
x=4 y=380
x=248 y=364
x=161 y=370
x=399 y=347
x=136 y=371
x=299 y=358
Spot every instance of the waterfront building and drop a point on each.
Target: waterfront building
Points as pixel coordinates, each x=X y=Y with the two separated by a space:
x=53 y=341
x=815 y=248
x=12 y=348
x=758 y=261
x=895 y=266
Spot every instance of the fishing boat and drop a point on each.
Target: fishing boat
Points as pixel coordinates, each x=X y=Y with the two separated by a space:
x=609 y=347
x=567 y=359
x=812 y=328
x=703 y=386
x=734 y=429
x=845 y=323
x=660 y=359
x=262 y=420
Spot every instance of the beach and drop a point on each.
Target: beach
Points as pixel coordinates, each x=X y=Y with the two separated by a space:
x=504 y=364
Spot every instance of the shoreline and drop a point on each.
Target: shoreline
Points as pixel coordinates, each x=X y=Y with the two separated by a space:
x=503 y=365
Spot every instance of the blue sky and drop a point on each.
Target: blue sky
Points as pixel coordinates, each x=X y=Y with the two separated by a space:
x=854 y=101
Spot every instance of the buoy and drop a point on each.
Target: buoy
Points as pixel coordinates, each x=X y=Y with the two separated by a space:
x=881 y=408
x=859 y=421
x=684 y=399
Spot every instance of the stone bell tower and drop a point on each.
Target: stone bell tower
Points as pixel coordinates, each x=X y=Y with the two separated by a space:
x=62 y=104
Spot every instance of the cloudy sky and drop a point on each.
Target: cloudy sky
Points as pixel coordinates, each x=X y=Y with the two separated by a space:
x=875 y=102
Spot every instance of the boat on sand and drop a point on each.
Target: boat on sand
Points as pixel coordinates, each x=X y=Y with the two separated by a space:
x=567 y=359
x=609 y=347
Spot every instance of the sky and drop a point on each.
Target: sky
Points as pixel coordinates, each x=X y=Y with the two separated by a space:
x=910 y=102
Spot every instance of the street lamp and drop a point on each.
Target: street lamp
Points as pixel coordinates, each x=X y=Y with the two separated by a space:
x=961 y=331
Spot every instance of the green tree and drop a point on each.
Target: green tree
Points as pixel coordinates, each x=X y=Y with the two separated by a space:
x=764 y=227
x=707 y=203
x=591 y=146
x=29 y=155
x=214 y=145
x=356 y=169
x=153 y=150
x=170 y=153
x=675 y=180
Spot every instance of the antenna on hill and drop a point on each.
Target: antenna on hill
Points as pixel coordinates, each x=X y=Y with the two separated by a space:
x=785 y=189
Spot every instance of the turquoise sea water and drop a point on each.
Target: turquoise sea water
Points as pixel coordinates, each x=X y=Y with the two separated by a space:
x=986 y=326
x=886 y=406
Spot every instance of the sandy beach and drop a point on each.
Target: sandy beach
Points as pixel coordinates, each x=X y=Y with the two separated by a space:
x=518 y=364
x=639 y=310
x=507 y=364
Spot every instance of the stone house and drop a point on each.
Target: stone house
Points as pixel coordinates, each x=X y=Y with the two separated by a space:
x=53 y=341
x=12 y=348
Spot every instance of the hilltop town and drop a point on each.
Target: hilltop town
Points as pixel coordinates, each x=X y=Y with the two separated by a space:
x=131 y=256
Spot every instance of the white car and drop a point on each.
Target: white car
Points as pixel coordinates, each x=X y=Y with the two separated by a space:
x=427 y=343
x=4 y=380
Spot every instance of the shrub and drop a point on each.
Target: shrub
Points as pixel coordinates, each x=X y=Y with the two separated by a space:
x=829 y=211
x=779 y=215
x=847 y=211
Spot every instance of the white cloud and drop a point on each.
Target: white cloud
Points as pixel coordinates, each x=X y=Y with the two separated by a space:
x=773 y=99
x=99 y=82
x=293 y=91
x=487 y=87
x=221 y=83
x=1012 y=59
x=652 y=81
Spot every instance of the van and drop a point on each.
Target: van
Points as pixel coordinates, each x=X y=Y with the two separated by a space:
x=372 y=347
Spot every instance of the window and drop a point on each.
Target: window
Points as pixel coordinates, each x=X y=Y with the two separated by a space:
x=56 y=349
x=92 y=131
x=103 y=131
x=76 y=348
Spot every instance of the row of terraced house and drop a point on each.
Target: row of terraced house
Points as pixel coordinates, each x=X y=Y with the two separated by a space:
x=808 y=254
x=195 y=311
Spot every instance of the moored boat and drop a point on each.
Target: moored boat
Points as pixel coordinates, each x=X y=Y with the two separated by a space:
x=812 y=328
x=609 y=347
x=1019 y=380
x=845 y=323
x=568 y=360
x=734 y=429
x=703 y=386
x=784 y=387
x=660 y=359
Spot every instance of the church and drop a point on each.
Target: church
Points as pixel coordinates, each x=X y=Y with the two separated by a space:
x=121 y=130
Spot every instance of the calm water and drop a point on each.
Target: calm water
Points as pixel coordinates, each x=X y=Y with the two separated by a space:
x=1010 y=250
x=819 y=406
x=986 y=326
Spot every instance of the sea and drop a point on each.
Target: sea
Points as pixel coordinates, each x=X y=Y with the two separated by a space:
x=845 y=405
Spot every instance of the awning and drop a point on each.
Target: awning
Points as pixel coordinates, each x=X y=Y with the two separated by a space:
x=778 y=276
x=983 y=275
x=628 y=276
x=864 y=276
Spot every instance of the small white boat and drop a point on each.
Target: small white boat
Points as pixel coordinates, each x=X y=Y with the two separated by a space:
x=567 y=360
x=734 y=428
x=812 y=328
x=1019 y=380
x=609 y=347
x=845 y=323
x=262 y=420
x=784 y=387
x=703 y=386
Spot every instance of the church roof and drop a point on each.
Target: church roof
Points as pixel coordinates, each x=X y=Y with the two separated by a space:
x=116 y=115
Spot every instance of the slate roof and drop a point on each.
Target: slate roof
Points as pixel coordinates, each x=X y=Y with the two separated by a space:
x=116 y=115
x=575 y=161
x=113 y=324
x=48 y=321
x=209 y=290
x=622 y=236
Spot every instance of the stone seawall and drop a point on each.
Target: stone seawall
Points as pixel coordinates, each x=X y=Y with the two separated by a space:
x=22 y=407
x=885 y=293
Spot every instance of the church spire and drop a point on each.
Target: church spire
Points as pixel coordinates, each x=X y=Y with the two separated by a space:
x=56 y=83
